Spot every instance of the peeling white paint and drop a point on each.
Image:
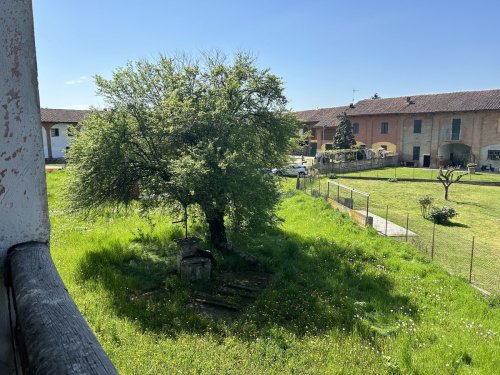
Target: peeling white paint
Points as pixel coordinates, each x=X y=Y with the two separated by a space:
x=23 y=196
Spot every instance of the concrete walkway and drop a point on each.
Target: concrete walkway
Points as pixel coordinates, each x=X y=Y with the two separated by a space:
x=393 y=230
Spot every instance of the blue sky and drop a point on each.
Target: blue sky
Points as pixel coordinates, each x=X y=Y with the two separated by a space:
x=322 y=49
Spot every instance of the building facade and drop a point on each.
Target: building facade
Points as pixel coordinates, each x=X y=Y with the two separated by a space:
x=425 y=130
x=57 y=125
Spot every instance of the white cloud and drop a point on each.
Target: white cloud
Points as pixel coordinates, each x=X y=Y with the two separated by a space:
x=77 y=81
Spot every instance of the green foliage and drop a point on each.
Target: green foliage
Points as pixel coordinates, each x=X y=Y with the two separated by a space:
x=425 y=205
x=338 y=292
x=186 y=133
x=343 y=138
x=442 y=215
x=332 y=176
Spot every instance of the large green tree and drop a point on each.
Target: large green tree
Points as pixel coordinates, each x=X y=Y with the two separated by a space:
x=186 y=132
x=343 y=138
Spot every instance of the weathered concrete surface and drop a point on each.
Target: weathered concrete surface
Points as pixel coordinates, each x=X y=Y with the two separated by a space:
x=57 y=338
x=393 y=230
x=23 y=197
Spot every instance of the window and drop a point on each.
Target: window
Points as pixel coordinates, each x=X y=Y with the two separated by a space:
x=494 y=154
x=455 y=129
x=416 y=153
x=384 y=147
x=417 y=126
x=355 y=128
x=384 y=128
x=54 y=132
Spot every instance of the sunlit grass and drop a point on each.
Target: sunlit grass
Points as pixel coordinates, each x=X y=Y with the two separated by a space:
x=478 y=210
x=342 y=300
x=421 y=173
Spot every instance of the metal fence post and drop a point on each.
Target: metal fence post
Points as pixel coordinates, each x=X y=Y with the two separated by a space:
x=367 y=205
x=386 y=214
x=327 y=189
x=433 y=236
x=407 y=220
x=338 y=193
x=471 y=258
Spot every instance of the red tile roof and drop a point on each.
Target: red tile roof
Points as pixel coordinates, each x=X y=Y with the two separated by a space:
x=327 y=117
x=449 y=102
x=67 y=116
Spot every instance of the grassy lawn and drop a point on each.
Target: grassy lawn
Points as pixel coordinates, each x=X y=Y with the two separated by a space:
x=479 y=216
x=342 y=300
x=421 y=173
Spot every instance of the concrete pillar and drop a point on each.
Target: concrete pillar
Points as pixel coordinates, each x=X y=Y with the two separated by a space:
x=23 y=196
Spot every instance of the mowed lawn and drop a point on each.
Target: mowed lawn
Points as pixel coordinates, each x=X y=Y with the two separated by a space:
x=478 y=210
x=342 y=300
x=422 y=174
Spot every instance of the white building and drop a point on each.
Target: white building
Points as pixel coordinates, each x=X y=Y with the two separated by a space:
x=55 y=124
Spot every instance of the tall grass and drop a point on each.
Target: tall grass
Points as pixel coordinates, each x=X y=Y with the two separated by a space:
x=341 y=300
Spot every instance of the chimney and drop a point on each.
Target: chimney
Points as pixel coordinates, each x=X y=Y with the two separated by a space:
x=351 y=105
x=409 y=101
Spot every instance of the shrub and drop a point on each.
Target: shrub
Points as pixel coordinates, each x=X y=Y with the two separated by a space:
x=425 y=205
x=442 y=215
x=332 y=176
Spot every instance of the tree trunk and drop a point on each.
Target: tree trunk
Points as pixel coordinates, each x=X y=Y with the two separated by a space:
x=446 y=192
x=217 y=228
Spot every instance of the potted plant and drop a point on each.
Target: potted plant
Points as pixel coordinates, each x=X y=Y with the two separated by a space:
x=471 y=168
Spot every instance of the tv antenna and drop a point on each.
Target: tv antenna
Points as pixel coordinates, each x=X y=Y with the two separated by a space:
x=354 y=91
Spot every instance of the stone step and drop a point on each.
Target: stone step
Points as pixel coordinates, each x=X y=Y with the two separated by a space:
x=209 y=299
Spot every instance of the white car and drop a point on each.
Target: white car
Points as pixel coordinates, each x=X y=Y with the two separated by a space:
x=292 y=170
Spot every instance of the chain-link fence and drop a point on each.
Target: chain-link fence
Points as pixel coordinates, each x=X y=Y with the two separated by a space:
x=341 y=197
x=470 y=256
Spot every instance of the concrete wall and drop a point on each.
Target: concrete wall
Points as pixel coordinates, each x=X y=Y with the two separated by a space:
x=60 y=143
x=55 y=147
x=23 y=196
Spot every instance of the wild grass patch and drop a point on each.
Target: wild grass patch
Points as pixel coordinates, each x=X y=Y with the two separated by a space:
x=341 y=300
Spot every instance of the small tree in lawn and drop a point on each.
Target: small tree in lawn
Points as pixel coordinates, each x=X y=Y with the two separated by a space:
x=187 y=132
x=449 y=177
x=344 y=138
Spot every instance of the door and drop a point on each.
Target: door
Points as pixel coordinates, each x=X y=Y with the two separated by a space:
x=314 y=148
x=427 y=161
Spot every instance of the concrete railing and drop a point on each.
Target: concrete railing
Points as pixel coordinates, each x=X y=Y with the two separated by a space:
x=357 y=165
x=52 y=337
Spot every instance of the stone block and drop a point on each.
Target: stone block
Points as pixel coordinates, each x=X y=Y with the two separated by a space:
x=195 y=268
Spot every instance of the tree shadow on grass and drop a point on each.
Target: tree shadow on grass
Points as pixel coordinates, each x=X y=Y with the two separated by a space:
x=317 y=286
x=454 y=224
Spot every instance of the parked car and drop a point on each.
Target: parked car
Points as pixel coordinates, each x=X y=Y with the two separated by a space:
x=292 y=170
